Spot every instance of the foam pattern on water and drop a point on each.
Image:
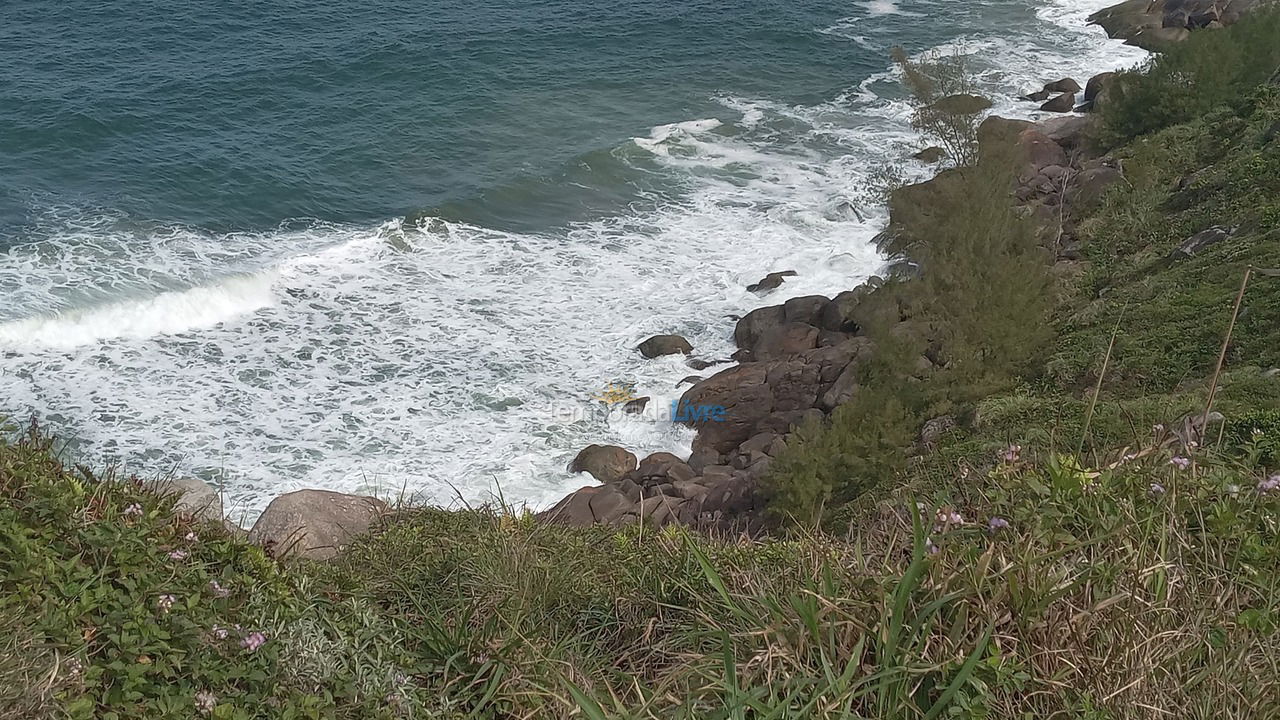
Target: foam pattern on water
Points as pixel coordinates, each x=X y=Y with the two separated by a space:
x=442 y=362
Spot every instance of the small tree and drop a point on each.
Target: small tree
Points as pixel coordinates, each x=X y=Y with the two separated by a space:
x=947 y=107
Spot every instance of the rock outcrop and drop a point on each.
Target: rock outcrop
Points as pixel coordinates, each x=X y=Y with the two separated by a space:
x=660 y=345
x=314 y=524
x=1156 y=24
x=606 y=463
x=801 y=360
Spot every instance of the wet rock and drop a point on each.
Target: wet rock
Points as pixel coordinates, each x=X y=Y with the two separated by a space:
x=771 y=281
x=660 y=345
x=700 y=364
x=1065 y=85
x=692 y=379
x=931 y=155
x=637 y=406
x=1066 y=102
x=745 y=396
x=606 y=463
x=314 y=524
x=960 y=104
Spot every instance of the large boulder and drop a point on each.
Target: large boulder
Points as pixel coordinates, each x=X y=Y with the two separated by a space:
x=743 y=392
x=961 y=104
x=782 y=341
x=194 y=497
x=757 y=323
x=314 y=524
x=1065 y=85
x=1066 y=102
x=660 y=345
x=606 y=463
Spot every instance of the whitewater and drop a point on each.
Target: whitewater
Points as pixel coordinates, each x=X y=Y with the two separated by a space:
x=437 y=361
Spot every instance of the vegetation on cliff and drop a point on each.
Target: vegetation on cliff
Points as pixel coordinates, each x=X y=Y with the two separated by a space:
x=1062 y=549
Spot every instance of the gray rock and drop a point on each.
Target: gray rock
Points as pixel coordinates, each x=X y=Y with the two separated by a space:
x=660 y=345
x=314 y=524
x=194 y=497
x=770 y=281
x=1201 y=241
x=931 y=155
x=1066 y=102
x=637 y=406
x=1065 y=85
x=606 y=463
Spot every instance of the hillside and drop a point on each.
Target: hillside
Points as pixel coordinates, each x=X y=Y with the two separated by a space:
x=1033 y=521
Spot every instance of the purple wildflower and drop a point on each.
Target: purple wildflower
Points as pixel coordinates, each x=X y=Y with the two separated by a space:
x=997 y=523
x=219 y=632
x=1157 y=489
x=133 y=509
x=1271 y=483
x=929 y=547
x=1011 y=454
x=165 y=602
x=205 y=702
x=1182 y=463
x=217 y=589
x=190 y=537
x=178 y=555
x=253 y=641
x=955 y=518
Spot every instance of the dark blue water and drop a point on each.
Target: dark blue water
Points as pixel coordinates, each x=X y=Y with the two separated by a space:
x=241 y=115
x=203 y=266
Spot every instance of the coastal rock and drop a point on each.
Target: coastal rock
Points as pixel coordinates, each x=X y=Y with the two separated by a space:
x=1066 y=102
x=804 y=309
x=660 y=345
x=961 y=104
x=1068 y=132
x=1095 y=88
x=662 y=467
x=785 y=340
x=756 y=323
x=1065 y=85
x=1088 y=187
x=745 y=396
x=931 y=155
x=1038 y=96
x=1040 y=151
x=637 y=406
x=606 y=463
x=314 y=524
x=770 y=281
x=194 y=497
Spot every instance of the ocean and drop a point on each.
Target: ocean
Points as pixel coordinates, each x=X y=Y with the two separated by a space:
x=204 y=269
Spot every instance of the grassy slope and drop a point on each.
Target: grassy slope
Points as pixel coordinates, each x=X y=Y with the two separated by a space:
x=1137 y=590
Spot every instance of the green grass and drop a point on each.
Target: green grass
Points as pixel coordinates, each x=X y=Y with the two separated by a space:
x=1101 y=599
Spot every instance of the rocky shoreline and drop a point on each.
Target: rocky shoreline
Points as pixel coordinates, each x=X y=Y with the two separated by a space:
x=798 y=361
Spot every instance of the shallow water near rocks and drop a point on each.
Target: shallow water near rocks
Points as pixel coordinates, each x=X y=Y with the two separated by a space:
x=203 y=265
